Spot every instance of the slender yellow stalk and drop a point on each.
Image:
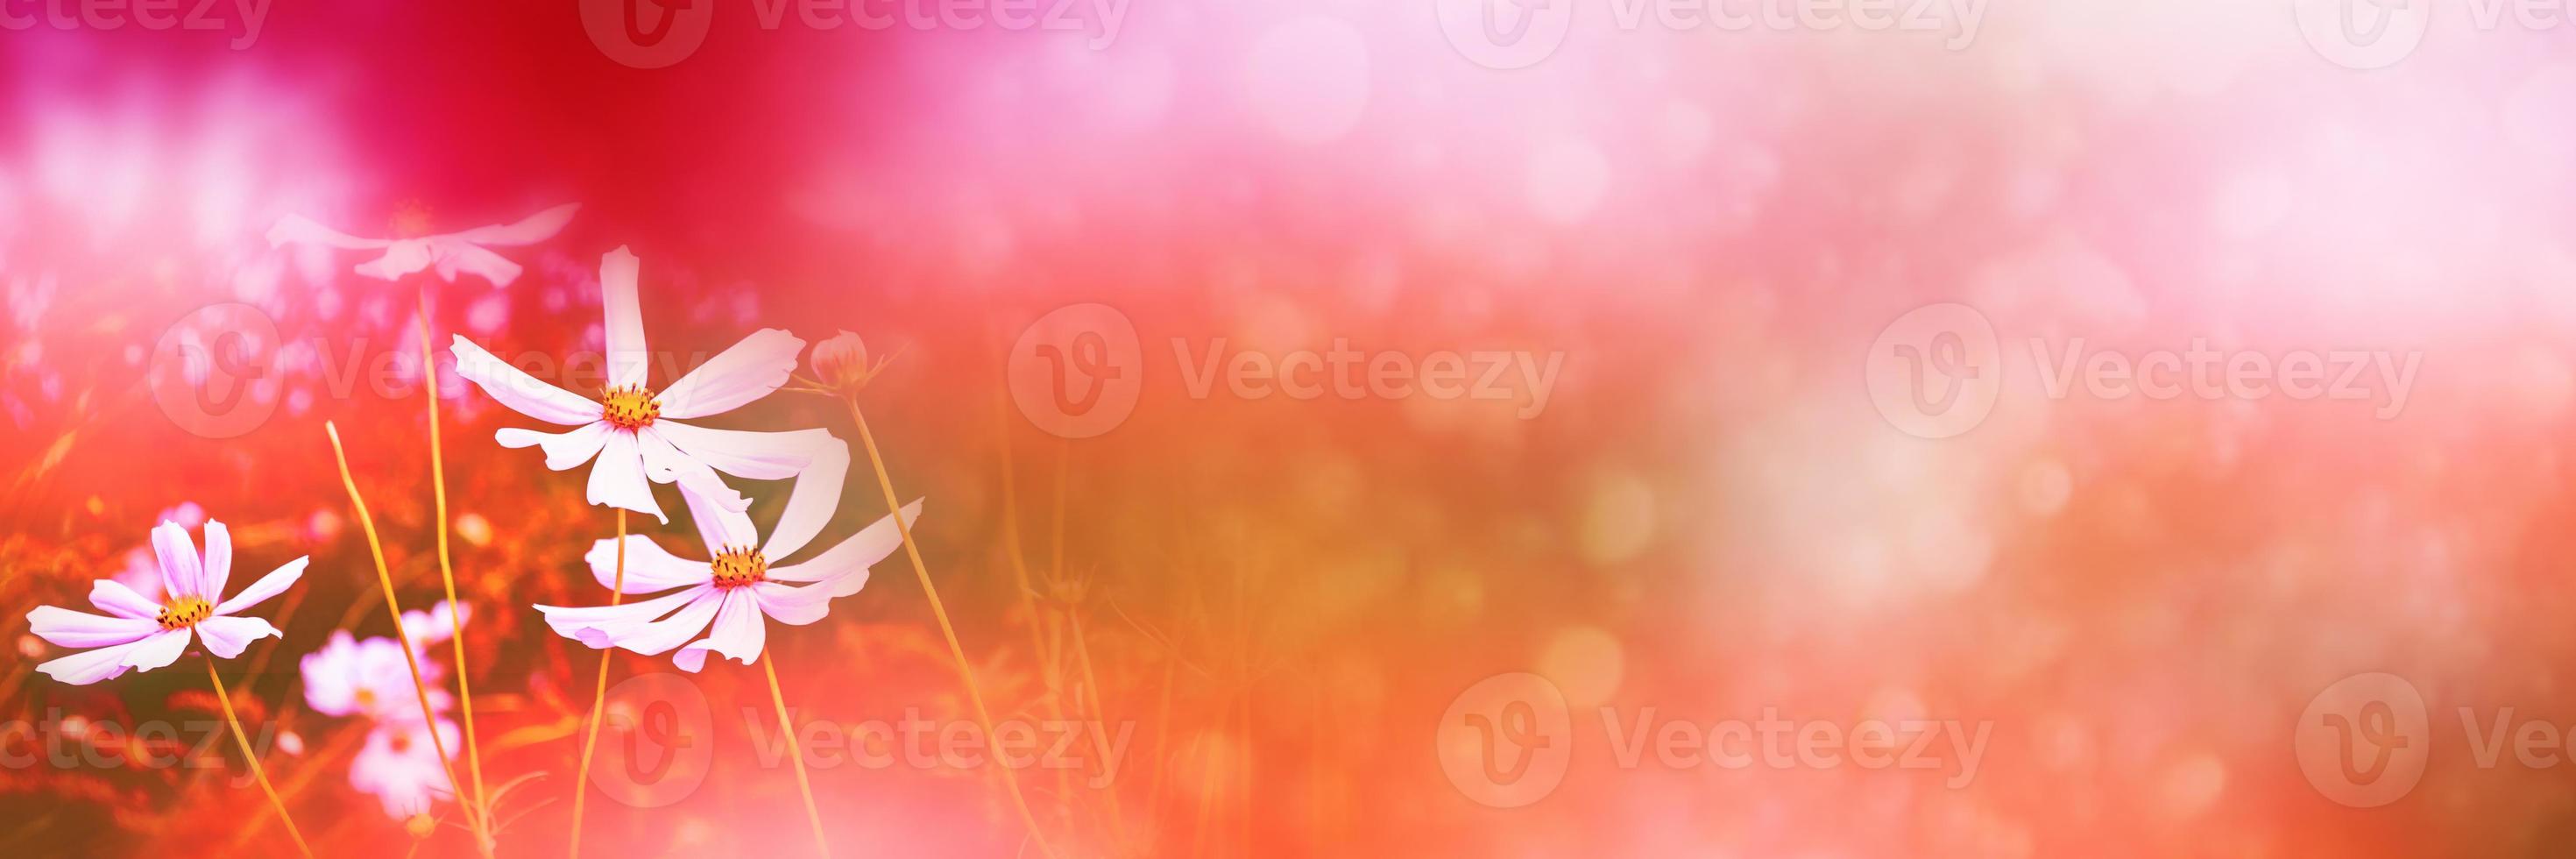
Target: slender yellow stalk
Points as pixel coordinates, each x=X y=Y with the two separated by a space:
x=813 y=814
x=965 y=669
x=393 y=607
x=1049 y=665
x=252 y=756
x=598 y=693
x=1100 y=717
x=447 y=570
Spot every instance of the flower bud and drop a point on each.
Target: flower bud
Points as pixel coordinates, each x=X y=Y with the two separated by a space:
x=841 y=363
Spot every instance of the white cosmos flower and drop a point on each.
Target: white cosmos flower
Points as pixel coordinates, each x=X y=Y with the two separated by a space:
x=451 y=254
x=140 y=634
x=732 y=593
x=633 y=435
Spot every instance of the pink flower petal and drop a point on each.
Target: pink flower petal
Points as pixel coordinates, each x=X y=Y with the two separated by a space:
x=276 y=582
x=67 y=628
x=226 y=636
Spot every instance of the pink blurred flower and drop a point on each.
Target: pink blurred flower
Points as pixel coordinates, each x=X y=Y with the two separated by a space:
x=400 y=766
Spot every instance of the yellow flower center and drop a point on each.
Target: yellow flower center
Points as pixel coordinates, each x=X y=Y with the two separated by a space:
x=736 y=567
x=184 y=613
x=631 y=407
x=367 y=699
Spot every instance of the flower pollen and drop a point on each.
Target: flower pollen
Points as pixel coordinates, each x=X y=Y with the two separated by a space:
x=736 y=567
x=630 y=407
x=184 y=612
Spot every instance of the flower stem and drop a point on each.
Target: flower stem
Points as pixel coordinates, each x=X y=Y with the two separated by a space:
x=813 y=814
x=446 y=569
x=385 y=578
x=598 y=694
x=965 y=669
x=253 y=757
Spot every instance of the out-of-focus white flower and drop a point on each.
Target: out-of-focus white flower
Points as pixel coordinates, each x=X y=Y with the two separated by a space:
x=400 y=767
x=451 y=254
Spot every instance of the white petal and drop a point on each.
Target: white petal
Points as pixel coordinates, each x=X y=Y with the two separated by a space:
x=796 y=606
x=456 y=258
x=564 y=449
x=159 y=650
x=87 y=667
x=401 y=258
x=746 y=454
x=520 y=391
x=640 y=627
x=666 y=464
x=529 y=230
x=226 y=636
x=113 y=597
x=815 y=499
x=627 y=361
x=219 y=559
x=720 y=526
x=737 y=633
x=276 y=582
x=649 y=567
x=181 y=572
x=79 y=629
x=853 y=556
x=331 y=676
x=617 y=478
x=298 y=229
x=818 y=460
x=744 y=372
